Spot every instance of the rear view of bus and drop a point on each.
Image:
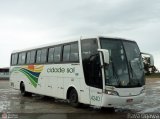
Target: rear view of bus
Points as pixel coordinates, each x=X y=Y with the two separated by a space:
x=113 y=69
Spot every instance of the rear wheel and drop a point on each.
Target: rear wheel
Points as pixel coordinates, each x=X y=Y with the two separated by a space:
x=23 y=90
x=73 y=98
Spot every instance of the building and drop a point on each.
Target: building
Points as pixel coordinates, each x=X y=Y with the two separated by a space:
x=4 y=73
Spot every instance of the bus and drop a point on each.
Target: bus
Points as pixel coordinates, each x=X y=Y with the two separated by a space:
x=97 y=71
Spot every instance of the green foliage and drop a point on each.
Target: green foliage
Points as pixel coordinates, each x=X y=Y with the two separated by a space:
x=147 y=66
x=153 y=75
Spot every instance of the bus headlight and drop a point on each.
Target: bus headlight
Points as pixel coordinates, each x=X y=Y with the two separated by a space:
x=142 y=91
x=111 y=92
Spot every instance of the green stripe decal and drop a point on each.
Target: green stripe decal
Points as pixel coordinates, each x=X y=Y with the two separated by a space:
x=30 y=74
x=30 y=78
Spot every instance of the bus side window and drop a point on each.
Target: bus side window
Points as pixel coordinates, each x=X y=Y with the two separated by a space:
x=74 y=55
x=50 y=55
x=22 y=58
x=28 y=57
x=32 y=58
x=38 y=57
x=66 y=53
x=14 y=59
x=43 y=55
x=19 y=58
x=57 y=54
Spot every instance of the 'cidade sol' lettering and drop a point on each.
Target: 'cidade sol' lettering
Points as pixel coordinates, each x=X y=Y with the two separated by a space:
x=56 y=70
x=70 y=70
x=60 y=70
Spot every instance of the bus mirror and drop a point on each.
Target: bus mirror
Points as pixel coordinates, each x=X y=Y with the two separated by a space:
x=105 y=55
x=151 y=59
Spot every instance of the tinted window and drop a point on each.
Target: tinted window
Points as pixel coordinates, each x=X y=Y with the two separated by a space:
x=116 y=72
x=44 y=56
x=14 y=59
x=57 y=54
x=19 y=58
x=51 y=54
x=32 y=58
x=89 y=48
x=38 y=58
x=91 y=63
x=74 y=52
x=22 y=57
x=28 y=57
x=66 y=53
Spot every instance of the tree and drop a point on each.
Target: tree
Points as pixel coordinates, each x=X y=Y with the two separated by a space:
x=147 y=66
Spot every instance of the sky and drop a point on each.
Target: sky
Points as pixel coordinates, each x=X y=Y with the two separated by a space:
x=28 y=23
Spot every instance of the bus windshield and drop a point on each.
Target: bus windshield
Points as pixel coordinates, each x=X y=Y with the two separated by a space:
x=125 y=68
x=135 y=63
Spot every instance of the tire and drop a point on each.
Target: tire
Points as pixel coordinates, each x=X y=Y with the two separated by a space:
x=108 y=109
x=23 y=90
x=73 y=98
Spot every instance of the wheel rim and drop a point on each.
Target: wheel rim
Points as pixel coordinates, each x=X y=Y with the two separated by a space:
x=73 y=98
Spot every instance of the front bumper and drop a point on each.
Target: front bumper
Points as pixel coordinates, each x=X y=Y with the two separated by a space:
x=115 y=101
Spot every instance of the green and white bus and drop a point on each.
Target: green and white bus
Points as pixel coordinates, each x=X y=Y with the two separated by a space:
x=98 y=71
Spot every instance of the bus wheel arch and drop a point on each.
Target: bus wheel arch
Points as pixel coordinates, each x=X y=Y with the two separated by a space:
x=72 y=96
x=23 y=90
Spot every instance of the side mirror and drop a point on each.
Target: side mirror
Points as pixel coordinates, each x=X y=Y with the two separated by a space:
x=105 y=54
x=151 y=59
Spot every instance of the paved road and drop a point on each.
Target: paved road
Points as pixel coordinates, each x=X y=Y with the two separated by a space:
x=14 y=105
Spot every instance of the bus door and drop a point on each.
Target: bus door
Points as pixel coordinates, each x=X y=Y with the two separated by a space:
x=92 y=70
x=95 y=77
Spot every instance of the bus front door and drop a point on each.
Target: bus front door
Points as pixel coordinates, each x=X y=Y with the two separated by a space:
x=95 y=81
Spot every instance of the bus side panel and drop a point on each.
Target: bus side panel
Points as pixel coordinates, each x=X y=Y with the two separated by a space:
x=15 y=78
x=55 y=82
x=84 y=92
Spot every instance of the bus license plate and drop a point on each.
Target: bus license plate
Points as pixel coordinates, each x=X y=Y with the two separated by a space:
x=129 y=100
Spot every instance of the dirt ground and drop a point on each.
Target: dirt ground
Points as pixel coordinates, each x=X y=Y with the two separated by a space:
x=13 y=105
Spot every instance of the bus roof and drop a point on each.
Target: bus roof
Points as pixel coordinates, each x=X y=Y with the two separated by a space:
x=67 y=41
x=45 y=45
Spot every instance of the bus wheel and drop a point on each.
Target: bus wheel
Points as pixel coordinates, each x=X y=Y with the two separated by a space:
x=73 y=98
x=23 y=91
x=108 y=109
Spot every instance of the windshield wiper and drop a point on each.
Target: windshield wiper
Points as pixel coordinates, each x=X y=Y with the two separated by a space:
x=135 y=80
x=131 y=68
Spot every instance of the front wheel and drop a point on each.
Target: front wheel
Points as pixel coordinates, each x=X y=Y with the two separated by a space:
x=108 y=109
x=73 y=98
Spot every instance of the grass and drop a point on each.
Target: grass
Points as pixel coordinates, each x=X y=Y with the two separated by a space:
x=155 y=75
